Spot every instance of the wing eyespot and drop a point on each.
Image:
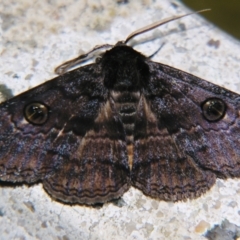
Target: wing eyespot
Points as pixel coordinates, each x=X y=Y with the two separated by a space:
x=36 y=113
x=213 y=109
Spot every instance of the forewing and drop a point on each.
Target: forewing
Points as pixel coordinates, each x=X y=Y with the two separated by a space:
x=178 y=152
x=74 y=155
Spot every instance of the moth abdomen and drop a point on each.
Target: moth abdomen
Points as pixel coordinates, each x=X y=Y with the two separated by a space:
x=126 y=103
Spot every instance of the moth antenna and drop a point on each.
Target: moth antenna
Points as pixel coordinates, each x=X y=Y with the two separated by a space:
x=82 y=58
x=153 y=54
x=159 y=23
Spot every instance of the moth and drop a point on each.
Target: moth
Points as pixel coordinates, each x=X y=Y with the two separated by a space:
x=91 y=133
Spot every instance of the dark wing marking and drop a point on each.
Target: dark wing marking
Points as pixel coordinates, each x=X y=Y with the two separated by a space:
x=66 y=151
x=178 y=153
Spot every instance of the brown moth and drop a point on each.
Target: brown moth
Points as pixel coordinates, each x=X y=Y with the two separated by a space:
x=93 y=132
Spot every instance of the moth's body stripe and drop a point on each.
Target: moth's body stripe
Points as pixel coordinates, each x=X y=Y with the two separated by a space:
x=130 y=155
